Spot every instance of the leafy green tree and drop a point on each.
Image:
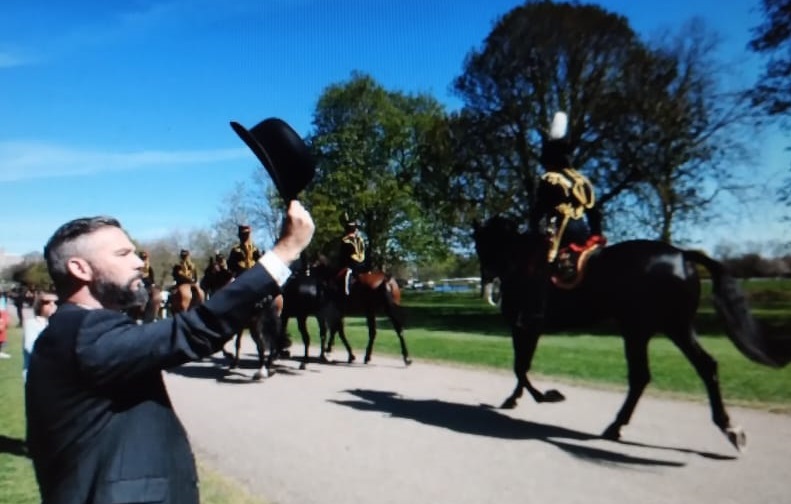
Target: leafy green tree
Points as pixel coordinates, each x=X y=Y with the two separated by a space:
x=539 y=58
x=32 y=271
x=367 y=141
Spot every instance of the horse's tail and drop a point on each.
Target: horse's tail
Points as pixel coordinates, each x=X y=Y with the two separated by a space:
x=393 y=298
x=740 y=326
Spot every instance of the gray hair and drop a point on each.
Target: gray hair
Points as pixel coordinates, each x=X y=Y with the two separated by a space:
x=65 y=244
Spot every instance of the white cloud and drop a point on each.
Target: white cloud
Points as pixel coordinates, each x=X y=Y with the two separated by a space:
x=33 y=160
x=10 y=60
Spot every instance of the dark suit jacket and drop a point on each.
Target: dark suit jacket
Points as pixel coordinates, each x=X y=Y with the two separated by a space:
x=101 y=428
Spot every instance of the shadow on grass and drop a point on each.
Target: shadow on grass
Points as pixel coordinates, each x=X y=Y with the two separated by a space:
x=484 y=420
x=13 y=446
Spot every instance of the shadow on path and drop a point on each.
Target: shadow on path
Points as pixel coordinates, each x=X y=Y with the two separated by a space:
x=484 y=420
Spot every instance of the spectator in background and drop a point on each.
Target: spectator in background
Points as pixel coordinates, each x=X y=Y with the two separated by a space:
x=3 y=332
x=43 y=307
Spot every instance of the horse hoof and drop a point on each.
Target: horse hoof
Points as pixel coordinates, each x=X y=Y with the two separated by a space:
x=613 y=433
x=366 y=360
x=553 y=396
x=260 y=375
x=407 y=361
x=352 y=358
x=323 y=358
x=302 y=366
x=737 y=437
x=509 y=404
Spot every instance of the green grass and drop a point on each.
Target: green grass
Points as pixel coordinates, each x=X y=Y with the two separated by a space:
x=17 y=481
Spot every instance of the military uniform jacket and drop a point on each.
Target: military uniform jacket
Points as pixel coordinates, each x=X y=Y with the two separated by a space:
x=242 y=258
x=148 y=275
x=185 y=272
x=564 y=193
x=352 y=250
x=100 y=425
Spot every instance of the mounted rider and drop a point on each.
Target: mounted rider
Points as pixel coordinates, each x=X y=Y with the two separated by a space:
x=216 y=274
x=565 y=200
x=244 y=254
x=352 y=252
x=146 y=270
x=185 y=273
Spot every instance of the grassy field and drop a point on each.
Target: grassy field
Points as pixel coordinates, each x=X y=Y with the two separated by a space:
x=461 y=329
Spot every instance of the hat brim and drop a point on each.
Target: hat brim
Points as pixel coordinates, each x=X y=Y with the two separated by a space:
x=282 y=152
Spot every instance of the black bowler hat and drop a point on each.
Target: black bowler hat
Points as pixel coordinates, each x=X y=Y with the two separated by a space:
x=243 y=228
x=282 y=152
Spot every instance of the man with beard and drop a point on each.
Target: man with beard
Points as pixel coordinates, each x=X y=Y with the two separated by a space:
x=100 y=424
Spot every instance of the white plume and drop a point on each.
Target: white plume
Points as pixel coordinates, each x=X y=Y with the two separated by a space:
x=559 y=126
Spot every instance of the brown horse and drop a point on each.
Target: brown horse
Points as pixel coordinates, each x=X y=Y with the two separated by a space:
x=185 y=296
x=152 y=310
x=369 y=293
x=263 y=326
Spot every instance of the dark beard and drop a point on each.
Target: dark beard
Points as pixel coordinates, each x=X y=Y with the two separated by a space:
x=120 y=297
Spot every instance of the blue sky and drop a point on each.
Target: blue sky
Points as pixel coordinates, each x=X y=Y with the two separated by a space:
x=122 y=108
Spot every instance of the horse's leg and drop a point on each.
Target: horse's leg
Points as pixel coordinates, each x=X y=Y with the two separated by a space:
x=524 y=341
x=258 y=338
x=706 y=367
x=330 y=341
x=636 y=350
x=303 y=331
x=370 y=318
x=394 y=313
x=237 y=348
x=336 y=326
x=322 y=336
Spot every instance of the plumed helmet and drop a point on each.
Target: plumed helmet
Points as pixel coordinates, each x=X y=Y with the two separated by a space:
x=556 y=149
x=347 y=221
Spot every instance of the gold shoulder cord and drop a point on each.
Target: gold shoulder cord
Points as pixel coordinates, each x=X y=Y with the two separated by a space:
x=576 y=185
x=248 y=255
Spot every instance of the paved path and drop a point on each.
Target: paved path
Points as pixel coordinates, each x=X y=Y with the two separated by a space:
x=384 y=433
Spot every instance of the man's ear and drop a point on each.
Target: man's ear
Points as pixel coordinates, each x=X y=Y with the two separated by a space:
x=80 y=269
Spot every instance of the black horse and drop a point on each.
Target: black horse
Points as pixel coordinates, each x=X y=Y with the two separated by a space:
x=307 y=295
x=322 y=292
x=645 y=286
x=263 y=326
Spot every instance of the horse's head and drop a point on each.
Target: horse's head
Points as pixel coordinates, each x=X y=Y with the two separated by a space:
x=493 y=244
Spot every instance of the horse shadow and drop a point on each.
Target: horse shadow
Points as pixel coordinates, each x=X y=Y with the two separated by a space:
x=485 y=420
x=13 y=446
x=216 y=368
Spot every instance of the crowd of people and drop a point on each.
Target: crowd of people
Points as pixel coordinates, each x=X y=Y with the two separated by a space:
x=23 y=297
